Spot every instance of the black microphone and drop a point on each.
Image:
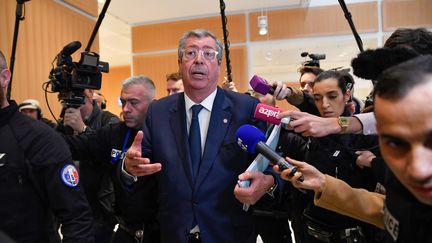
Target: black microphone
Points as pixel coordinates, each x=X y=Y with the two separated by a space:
x=71 y=48
x=250 y=139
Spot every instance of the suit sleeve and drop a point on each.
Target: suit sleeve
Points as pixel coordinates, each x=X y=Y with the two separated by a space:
x=357 y=203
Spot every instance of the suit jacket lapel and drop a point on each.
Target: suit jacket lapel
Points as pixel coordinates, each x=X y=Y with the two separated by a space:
x=219 y=122
x=178 y=121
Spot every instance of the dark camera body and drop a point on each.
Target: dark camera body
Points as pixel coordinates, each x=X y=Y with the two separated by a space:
x=71 y=78
x=314 y=62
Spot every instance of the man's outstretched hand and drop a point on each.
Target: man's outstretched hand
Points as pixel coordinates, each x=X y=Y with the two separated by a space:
x=137 y=165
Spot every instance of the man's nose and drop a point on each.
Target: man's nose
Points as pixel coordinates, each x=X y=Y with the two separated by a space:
x=420 y=166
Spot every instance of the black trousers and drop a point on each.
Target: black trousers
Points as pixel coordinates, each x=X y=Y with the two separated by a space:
x=273 y=230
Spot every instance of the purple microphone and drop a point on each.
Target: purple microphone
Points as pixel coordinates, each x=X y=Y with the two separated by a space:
x=260 y=85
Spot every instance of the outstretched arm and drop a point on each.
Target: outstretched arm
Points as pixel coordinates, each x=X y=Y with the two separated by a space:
x=137 y=165
x=336 y=195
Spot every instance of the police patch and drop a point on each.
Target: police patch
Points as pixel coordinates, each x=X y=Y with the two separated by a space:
x=69 y=175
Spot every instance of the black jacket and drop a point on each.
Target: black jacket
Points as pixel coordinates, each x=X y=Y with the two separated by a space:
x=406 y=219
x=109 y=144
x=37 y=175
x=333 y=155
x=94 y=171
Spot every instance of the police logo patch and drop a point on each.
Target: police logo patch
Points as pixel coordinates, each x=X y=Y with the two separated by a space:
x=69 y=175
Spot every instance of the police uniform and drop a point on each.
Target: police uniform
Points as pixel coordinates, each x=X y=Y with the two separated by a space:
x=332 y=155
x=37 y=175
x=405 y=218
x=135 y=212
x=94 y=174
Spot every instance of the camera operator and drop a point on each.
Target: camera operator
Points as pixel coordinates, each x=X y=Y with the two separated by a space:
x=90 y=117
x=300 y=98
x=37 y=176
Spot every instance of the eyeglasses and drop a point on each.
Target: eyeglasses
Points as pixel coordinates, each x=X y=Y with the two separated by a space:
x=192 y=53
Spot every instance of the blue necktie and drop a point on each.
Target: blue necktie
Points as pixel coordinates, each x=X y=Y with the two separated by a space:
x=195 y=139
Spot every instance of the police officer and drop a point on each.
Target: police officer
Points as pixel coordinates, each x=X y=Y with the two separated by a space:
x=93 y=172
x=135 y=213
x=37 y=175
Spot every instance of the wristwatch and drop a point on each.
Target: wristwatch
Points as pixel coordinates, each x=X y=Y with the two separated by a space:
x=343 y=123
x=83 y=130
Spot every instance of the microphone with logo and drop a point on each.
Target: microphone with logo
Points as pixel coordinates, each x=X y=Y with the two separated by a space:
x=250 y=139
x=268 y=113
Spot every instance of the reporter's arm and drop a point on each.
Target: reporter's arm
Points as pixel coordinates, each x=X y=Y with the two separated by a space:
x=360 y=204
x=366 y=123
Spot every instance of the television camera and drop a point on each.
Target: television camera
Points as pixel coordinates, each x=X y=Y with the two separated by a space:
x=314 y=59
x=71 y=78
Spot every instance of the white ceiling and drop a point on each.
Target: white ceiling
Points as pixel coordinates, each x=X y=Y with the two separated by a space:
x=274 y=60
x=115 y=31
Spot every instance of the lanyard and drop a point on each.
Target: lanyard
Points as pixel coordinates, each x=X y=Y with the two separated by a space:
x=126 y=139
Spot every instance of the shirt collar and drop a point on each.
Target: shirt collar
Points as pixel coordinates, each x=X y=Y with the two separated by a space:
x=207 y=102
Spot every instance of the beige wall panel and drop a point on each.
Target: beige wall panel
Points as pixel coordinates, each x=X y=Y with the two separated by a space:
x=238 y=57
x=111 y=86
x=406 y=13
x=157 y=66
x=166 y=35
x=316 y=21
x=90 y=7
x=47 y=28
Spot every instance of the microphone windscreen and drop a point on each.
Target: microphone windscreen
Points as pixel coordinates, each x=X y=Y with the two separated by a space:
x=71 y=48
x=371 y=63
x=260 y=85
x=248 y=137
x=267 y=113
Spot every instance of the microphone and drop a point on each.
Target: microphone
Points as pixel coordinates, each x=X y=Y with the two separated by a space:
x=250 y=139
x=267 y=113
x=71 y=48
x=64 y=56
x=260 y=85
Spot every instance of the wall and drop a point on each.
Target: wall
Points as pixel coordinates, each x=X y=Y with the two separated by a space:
x=111 y=86
x=48 y=26
x=154 y=45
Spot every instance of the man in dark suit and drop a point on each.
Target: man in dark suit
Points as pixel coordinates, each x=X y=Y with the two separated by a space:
x=196 y=193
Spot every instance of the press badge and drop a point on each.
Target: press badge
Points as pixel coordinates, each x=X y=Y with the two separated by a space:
x=69 y=175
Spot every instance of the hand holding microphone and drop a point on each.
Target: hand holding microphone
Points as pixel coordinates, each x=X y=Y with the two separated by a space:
x=250 y=139
x=278 y=88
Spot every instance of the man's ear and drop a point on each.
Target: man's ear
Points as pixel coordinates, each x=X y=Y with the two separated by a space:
x=5 y=77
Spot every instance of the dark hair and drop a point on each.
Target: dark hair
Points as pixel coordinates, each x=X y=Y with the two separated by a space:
x=396 y=82
x=345 y=80
x=173 y=76
x=419 y=39
x=309 y=69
